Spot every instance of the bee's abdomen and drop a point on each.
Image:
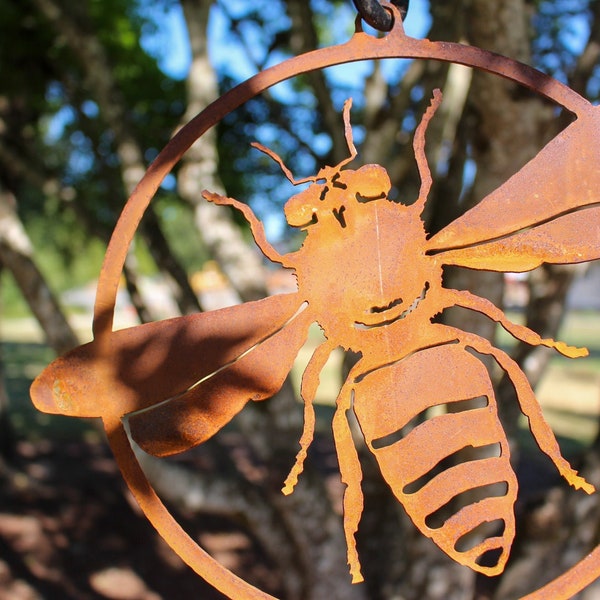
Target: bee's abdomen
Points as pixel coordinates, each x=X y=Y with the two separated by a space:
x=451 y=505
x=452 y=471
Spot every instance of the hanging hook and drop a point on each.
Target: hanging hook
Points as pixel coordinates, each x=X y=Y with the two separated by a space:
x=377 y=16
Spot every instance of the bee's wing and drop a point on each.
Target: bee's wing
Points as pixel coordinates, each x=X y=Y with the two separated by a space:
x=563 y=177
x=193 y=416
x=572 y=238
x=144 y=366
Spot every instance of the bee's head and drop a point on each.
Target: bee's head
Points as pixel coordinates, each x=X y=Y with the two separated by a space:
x=332 y=189
x=334 y=193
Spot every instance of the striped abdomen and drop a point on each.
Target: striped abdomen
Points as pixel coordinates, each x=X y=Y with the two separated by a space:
x=451 y=471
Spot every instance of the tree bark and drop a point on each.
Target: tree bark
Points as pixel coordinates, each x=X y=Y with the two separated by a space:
x=273 y=429
x=16 y=255
x=199 y=169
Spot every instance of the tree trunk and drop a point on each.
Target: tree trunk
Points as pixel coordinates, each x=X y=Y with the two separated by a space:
x=273 y=429
x=158 y=245
x=16 y=256
x=199 y=170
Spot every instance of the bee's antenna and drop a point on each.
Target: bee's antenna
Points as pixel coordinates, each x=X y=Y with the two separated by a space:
x=326 y=171
x=278 y=160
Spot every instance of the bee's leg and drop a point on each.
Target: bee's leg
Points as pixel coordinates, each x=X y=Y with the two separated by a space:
x=256 y=226
x=419 y=148
x=308 y=389
x=351 y=474
x=468 y=300
x=541 y=431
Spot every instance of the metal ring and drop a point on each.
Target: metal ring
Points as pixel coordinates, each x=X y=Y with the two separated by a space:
x=360 y=47
x=373 y=13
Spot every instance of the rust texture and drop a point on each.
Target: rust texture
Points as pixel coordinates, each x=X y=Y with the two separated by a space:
x=370 y=276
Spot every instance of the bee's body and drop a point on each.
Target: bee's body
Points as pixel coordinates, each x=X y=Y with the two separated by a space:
x=407 y=366
x=384 y=299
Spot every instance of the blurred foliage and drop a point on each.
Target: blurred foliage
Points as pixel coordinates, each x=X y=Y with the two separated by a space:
x=67 y=176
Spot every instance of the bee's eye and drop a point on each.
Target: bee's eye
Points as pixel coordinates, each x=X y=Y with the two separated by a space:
x=371 y=182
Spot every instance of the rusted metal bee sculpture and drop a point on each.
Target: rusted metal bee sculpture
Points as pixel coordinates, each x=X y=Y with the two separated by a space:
x=370 y=276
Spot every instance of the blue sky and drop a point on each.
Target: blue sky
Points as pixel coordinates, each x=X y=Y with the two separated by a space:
x=174 y=57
